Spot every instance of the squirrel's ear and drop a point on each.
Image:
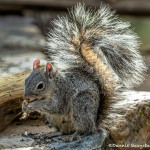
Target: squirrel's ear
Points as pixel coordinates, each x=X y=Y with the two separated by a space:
x=49 y=70
x=36 y=64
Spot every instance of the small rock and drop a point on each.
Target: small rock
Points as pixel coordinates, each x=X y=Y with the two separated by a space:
x=26 y=133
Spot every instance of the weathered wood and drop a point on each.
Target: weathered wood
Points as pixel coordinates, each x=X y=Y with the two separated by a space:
x=135 y=7
x=11 y=97
x=129 y=120
x=50 y=3
x=63 y=4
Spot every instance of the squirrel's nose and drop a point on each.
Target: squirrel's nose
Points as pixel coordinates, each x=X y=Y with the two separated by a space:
x=28 y=99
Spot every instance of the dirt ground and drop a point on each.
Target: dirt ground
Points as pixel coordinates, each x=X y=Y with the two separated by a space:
x=17 y=133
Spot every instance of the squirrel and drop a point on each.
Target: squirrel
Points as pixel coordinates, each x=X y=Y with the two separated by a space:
x=93 y=57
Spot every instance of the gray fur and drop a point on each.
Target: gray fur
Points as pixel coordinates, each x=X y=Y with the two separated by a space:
x=73 y=96
x=117 y=45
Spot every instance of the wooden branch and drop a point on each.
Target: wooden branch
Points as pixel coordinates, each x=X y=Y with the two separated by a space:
x=63 y=4
x=50 y=3
x=131 y=6
x=122 y=6
x=11 y=97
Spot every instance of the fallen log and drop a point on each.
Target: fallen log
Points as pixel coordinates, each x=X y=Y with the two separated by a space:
x=11 y=97
x=129 y=121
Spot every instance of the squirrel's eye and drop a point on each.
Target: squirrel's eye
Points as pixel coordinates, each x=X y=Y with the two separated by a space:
x=40 y=86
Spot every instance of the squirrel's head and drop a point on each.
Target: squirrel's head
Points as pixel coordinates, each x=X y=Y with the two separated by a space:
x=39 y=84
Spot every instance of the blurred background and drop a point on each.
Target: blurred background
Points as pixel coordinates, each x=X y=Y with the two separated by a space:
x=24 y=25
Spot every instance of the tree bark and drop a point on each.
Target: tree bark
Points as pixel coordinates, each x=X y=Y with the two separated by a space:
x=11 y=97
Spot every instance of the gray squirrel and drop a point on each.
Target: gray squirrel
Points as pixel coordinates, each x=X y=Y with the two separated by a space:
x=93 y=58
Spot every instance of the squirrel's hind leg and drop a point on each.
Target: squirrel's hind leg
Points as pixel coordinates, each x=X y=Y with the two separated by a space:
x=84 y=112
x=85 y=107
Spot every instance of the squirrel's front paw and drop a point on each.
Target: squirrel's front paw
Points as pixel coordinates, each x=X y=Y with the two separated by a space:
x=28 y=107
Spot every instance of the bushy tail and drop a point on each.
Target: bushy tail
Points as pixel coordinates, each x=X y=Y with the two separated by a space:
x=100 y=40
